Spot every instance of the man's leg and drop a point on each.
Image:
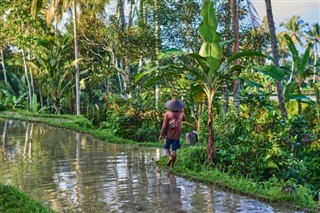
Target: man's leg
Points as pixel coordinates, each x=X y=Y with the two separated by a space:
x=174 y=157
x=169 y=156
x=175 y=146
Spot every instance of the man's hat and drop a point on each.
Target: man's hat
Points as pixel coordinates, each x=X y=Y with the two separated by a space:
x=174 y=105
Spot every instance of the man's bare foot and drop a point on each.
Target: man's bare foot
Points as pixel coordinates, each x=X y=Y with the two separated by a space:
x=170 y=162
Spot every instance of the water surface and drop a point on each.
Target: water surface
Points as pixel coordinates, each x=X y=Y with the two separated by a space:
x=74 y=172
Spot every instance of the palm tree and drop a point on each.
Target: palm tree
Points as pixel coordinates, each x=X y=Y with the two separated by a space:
x=276 y=57
x=283 y=50
x=294 y=28
x=51 y=64
x=54 y=13
x=313 y=36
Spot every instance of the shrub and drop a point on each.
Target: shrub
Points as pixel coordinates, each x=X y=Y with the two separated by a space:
x=131 y=119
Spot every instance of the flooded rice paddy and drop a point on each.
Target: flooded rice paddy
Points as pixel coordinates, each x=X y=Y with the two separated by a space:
x=73 y=172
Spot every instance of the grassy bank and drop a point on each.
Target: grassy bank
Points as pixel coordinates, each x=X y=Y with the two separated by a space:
x=13 y=200
x=191 y=163
x=191 y=167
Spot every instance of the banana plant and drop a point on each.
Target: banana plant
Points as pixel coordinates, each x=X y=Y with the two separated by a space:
x=209 y=72
x=51 y=64
x=301 y=71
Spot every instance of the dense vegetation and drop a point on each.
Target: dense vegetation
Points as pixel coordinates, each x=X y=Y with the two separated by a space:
x=92 y=67
x=12 y=200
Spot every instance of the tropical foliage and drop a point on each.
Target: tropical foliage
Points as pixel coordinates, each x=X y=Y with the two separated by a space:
x=88 y=61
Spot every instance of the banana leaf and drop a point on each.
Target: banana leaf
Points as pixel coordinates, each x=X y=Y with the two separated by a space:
x=289 y=90
x=272 y=71
x=316 y=93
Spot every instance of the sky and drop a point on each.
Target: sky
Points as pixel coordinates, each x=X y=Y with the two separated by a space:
x=308 y=10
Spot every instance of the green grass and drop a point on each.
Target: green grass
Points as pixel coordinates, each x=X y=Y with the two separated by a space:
x=14 y=201
x=269 y=193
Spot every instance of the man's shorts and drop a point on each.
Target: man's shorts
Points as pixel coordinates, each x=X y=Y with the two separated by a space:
x=175 y=144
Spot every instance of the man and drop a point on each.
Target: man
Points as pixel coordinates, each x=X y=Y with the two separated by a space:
x=171 y=128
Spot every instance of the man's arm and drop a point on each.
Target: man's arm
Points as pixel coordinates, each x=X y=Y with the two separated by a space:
x=164 y=128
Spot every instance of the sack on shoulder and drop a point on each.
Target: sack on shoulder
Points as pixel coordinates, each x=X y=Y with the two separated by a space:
x=173 y=123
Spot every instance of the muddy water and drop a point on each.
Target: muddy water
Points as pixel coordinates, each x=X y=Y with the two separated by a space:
x=73 y=172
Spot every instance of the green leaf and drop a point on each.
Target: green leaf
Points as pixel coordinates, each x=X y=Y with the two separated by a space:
x=316 y=93
x=153 y=80
x=211 y=50
x=292 y=48
x=202 y=61
x=236 y=67
x=300 y=97
x=272 y=71
x=153 y=69
x=210 y=47
x=209 y=25
x=305 y=59
x=289 y=90
x=244 y=54
x=251 y=83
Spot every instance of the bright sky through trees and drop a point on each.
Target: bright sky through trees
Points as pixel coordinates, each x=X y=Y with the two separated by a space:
x=308 y=10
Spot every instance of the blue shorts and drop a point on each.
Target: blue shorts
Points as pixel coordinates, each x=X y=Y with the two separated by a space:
x=175 y=144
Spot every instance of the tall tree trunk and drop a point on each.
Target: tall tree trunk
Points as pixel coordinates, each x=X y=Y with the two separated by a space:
x=40 y=97
x=211 y=148
x=200 y=111
x=146 y=14
x=106 y=86
x=226 y=93
x=122 y=82
x=158 y=44
x=299 y=102
x=275 y=54
x=71 y=101
x=130 y=14
x=76 y=52
x=235 y=28
x=315 y=62
x=141 y=14
x=3 y=66
x=27 y=77
x=226 y=99
x=31 y=76
x=126 y=76
x=57 y=104
x=121 y=13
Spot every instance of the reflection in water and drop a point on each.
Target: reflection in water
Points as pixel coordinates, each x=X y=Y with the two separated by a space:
x=73 y=172
x=28 y=142
x=172 y=195
x=4 y=140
